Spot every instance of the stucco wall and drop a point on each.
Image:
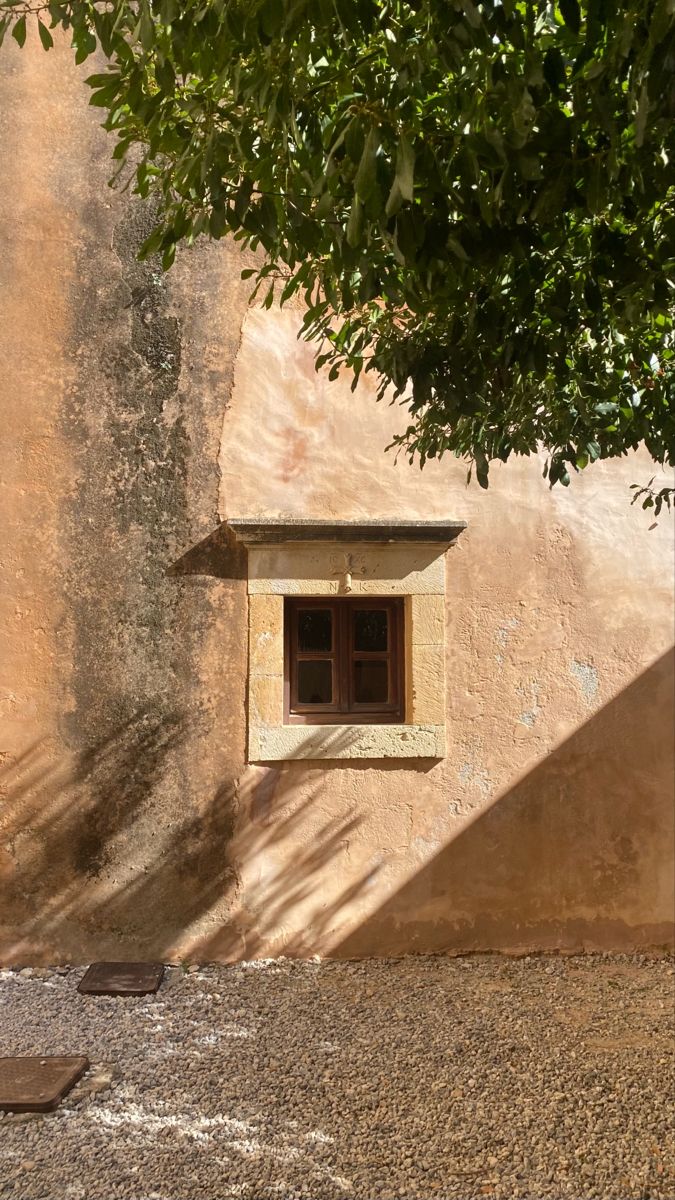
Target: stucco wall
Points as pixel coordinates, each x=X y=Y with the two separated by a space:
x=138 y=413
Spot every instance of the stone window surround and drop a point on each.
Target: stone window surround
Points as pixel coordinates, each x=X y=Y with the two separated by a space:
x=346 y=558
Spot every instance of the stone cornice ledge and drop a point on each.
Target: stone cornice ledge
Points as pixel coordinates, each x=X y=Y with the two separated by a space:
x=255 y=531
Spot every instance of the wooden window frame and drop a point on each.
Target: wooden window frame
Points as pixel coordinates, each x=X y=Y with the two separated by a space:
x=344 y=710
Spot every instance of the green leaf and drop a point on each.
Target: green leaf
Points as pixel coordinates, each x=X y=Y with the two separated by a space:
x=554 y=68
x=482 y=469
x=106 y=95
x=571 y=14
x=19 y=31
x=218 y=222
x=165 y=76
x=85 y=44
x=242 y=197
x=365 y=180
x=596 y=191
x=355 y=223
x=394 y=200
x=57 y=11
x=146 y=27
x=592 y=295
x=641 y=116
x=45 y=36
x=405 y=167
x=268 y=215
x=99 y=81
x=152 y=243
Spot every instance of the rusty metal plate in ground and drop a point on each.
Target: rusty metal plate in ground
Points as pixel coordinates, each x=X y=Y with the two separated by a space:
x=37 y=1084
x=121 y=979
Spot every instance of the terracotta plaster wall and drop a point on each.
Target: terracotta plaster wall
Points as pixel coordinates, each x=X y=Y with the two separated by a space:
x=550 y=821
x=139 y=412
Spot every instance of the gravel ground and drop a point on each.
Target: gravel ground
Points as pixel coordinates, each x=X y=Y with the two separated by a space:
x=424 y=1077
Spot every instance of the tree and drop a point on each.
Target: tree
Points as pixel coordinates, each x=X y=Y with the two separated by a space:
x=476 y=200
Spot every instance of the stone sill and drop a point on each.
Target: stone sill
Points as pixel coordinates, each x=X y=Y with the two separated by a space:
x=254 y=532
x=274 y=743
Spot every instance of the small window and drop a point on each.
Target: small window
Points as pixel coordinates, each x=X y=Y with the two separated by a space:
x=343 y=661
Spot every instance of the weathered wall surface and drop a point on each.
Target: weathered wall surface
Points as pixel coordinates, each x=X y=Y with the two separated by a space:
x=123 y=681
x=139 y=412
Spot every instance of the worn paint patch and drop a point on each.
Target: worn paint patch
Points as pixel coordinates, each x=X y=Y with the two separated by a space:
x=587 y=677
x=477 y=777
x=530 y=715
x=505 y=631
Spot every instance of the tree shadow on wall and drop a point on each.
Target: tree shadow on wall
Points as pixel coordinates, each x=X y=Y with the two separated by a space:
x=258 y=822
x=90 y=867
x=64 y=824
x=587 y=830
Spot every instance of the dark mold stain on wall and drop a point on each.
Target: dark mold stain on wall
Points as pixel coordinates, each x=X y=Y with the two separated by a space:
x=130 y=501
x=148 y=431
x=135 y=712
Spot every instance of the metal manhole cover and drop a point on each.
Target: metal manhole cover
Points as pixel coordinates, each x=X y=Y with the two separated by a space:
x=37 y=1084
x=121 y=979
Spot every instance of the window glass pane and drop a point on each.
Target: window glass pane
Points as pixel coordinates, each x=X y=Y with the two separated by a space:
x=370 y=629
x=371 y=682
x=315 y=681
x=315 y=629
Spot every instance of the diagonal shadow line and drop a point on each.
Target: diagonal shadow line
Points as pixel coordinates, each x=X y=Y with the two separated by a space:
x=574 y=855
x=219 y=555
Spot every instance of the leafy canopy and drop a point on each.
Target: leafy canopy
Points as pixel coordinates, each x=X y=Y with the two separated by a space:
x=474 y=200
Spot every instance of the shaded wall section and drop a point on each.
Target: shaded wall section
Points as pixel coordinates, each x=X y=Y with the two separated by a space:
x=576 y=854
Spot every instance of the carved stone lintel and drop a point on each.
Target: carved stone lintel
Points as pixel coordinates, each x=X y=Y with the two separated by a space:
x=345 y=566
